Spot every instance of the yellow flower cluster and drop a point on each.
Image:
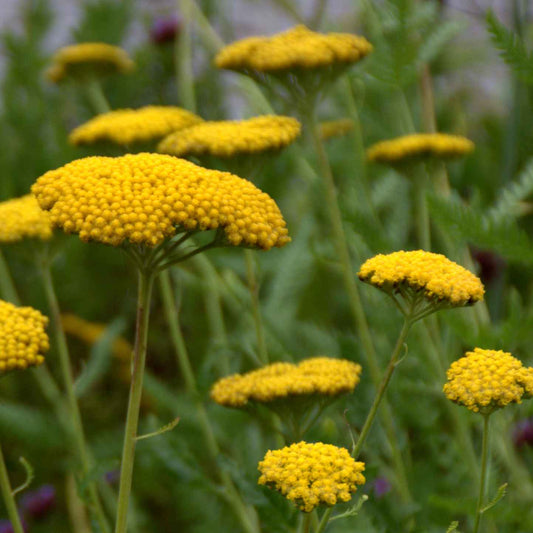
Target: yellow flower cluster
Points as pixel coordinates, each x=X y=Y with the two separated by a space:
x=233 y=137
x=439 y=278
x=317 y=375
x=22 y=218
x=126 y=126
x=312 y=474
x=420 y=145
x=22 y=337
x=485 y=380
x=297 y=48
x=336 y=128
x=82 y=60
x=145 y=198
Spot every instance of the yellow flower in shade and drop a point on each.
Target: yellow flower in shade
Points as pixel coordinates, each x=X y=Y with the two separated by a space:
x=336 y=128
x=23 y=339
x=22 y=218
x=233 y=137
x=486 y=380
x=420 y=273
x=315 y=376
x=312 y=474
x=127 y=126
x=145 y=198
x=419 y=146
x=297 y=48
x=81 y=61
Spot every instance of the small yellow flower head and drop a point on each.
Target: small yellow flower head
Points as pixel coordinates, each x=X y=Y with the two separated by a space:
x=22 y=337
x=145 y=198
x=81 y=61
x=336 y=128
x=315 y=376
x=486 y=380
x=22 y=218
x=312 y=474
x=433 y=275
x=127 y=126
x=233 y=137
x=419 y=146
x=297 y=48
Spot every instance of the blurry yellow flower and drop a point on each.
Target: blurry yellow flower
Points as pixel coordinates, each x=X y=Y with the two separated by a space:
x=419 y=146
x=312 y=474
x=22 y=337
x=145 y=198
x=126 y=126
x=22 y=218
x=336 y=128
x=84 y=60
x=485 y=380
x=315 y=376
x=233 y=137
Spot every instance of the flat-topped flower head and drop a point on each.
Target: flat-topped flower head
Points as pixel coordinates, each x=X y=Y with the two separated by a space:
x=145 y=198
x=323 y=376
x=230 y=138
x=23 y=339
x=312 y=474
x=128 y=126
x=86 y=60
x=418 y=147
x=22 y=218
x=419 y=274
x=486 y=380
x=336 y=128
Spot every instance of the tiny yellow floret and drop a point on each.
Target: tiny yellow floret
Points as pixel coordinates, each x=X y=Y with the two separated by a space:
x=486 y=380
x=22 y=218
x=434 y=275
x=145 y=198
x=312 y=474
x=127 y=126
x=23 y=339
x=233 y=137
x=315 y=376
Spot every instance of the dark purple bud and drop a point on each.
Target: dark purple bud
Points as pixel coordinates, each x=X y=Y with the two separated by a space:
x=6 y=527
x=381 y=486
x=523 y=433
x=165 y=29
x=38 y=503
x=112 y=477
x=491 y=264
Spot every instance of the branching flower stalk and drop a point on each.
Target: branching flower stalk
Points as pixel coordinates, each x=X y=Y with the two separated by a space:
x=483 y=477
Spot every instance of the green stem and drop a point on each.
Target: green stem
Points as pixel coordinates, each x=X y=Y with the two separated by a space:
x=305 y=524
x=96 y=97
x=484 y=458
x=9 y=499
x=422 y=213
x=184 y=73
x=7 y=286
x=324 y=520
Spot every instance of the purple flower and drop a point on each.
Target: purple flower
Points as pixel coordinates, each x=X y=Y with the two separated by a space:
x=39 y=502
x=523 y=433
x=6 y=527
x=381 y=486
x=165 y=29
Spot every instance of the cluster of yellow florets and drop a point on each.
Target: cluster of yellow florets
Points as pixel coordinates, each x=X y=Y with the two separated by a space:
x=126 y=126
x=144 y=198
x=312 y=474
x=421 y=145
x=22 y=218
x=22 y=337
x=318 y=375
x=336 y=128
x=297 y=48
x=233 y=137
x=485 y=380
x=439 y=278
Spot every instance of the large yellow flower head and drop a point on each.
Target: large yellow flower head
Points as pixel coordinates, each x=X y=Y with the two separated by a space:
x=419 y=146
x=296 y=48
x=145 y=198
x=81 y=61
x=22 y=337
x=22 y=218
x=127 y=126
x=312 y=474
x=316 y=376
x=486 y=380
x=230 y=138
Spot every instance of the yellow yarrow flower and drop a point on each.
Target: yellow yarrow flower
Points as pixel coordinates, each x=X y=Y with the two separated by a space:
x=336 y=128
x=23 y=339
x=145 y=198
x=416 y=273
x=315 y=376
x=127 y=126
x=419 y=146
x=486 y=380
x=312 y=474
x=233 y=137
x=22 y=218
x=81 y=61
